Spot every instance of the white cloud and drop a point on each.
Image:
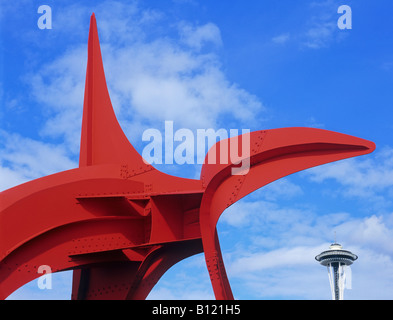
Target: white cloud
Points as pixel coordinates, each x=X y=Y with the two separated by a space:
x=320 y=34
x=282 y=188
x=269 y=248
x=283 y=273
x=187 y=280
x=264 y=216
x=366 y=177
x=10 y=178
x=58 y=87
x=279 y=258
x=278 y=264
x=282 y=38
x=374 y=232
x=180 y=292
x=322 y=30
x=372 y=275
x=197 y=37
x=150 y=75
x=317 y=30
x=23 y=159
x=159 y=81
x=61 y=289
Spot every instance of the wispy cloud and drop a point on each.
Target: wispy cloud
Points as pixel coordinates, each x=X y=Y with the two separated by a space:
x=367 y=177
x=23 y=159
x=277 y=241
x=321 y=27
x=274 y=252
x=187 y=280
x=61 y=289
x=318 y=28
x=152 y=76
x=282 y=38
x=320 y=35
x=58 y=87
x=198 y=36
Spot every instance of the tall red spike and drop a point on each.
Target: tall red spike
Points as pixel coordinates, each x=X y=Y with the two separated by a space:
x=102 y=140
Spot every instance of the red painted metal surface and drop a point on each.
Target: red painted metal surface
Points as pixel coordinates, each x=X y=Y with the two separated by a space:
x=119 y=223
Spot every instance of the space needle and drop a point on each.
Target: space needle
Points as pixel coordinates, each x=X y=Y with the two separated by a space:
x=337 y=260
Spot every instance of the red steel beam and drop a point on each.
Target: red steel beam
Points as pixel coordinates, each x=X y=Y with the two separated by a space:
x=119 y=223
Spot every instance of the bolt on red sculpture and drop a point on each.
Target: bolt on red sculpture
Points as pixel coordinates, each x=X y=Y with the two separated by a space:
x=119 y=223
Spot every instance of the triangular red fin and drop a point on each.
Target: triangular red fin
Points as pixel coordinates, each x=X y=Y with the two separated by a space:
x=102 y=139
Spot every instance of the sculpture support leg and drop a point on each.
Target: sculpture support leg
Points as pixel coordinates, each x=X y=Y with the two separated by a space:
x=215 y=264
x=217 y=272
x=80 y=283
x=104 y=282
x=130 y=280
x=157 y=263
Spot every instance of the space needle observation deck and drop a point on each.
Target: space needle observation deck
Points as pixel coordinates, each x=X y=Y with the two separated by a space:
x=337 y=260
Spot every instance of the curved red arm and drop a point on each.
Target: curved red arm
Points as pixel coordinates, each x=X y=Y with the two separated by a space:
x=269 y=155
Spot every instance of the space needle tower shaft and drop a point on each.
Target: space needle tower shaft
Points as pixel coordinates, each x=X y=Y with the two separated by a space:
x=337 y=262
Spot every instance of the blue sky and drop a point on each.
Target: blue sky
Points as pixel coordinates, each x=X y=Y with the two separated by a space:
x=221 y=64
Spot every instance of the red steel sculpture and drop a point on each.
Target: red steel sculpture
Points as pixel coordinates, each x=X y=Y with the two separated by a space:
x=119 y=223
